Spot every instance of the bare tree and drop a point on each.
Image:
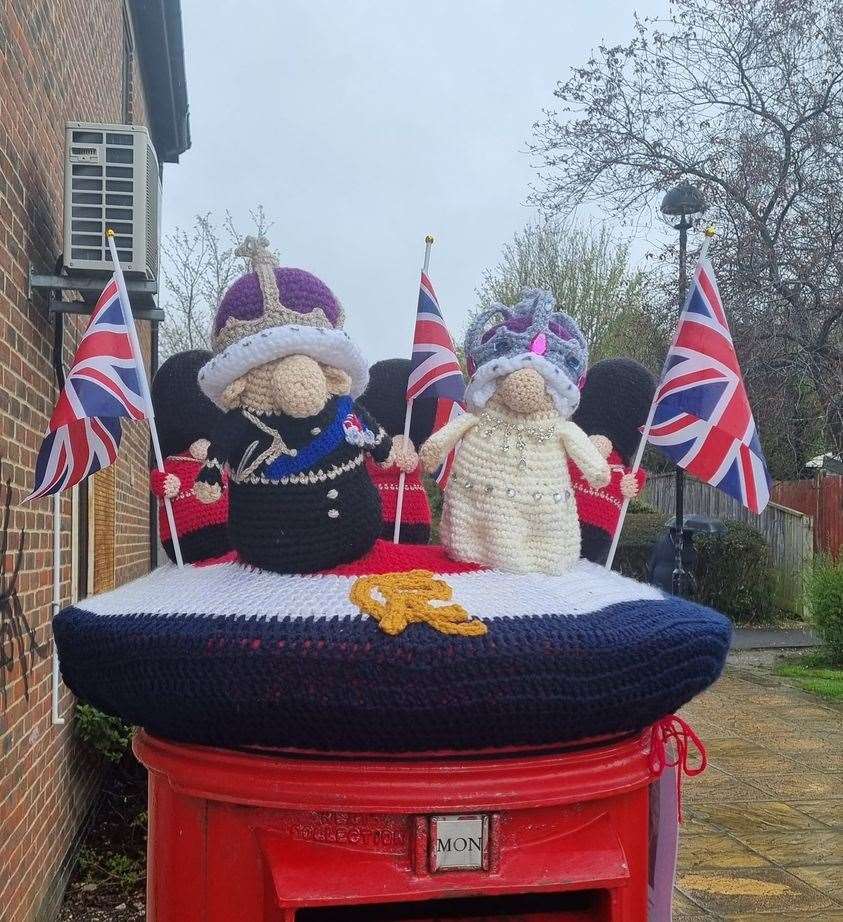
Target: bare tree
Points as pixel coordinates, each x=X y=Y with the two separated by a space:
x=746 y=98
x=198 y=266
x=590 y=277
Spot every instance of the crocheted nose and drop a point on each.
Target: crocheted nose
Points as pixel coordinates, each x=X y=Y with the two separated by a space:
x=299 y=386
x=524 y=391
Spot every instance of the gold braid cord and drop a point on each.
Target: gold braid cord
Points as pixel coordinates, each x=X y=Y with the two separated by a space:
x=407 y=599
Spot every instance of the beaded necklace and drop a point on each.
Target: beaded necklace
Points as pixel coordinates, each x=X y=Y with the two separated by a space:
x=519 y=433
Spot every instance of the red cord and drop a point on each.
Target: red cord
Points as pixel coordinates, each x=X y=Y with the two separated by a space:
x=674 y=729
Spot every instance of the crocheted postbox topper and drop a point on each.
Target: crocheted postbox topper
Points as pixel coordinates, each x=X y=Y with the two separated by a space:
x=274 y=312
x=403 y=650
x=532 y=334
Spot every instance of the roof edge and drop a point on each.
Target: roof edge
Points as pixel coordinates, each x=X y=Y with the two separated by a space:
x=160 y=43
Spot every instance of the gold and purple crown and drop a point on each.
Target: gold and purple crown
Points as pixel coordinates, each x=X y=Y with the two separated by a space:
x=531 y=334
x=272 y=312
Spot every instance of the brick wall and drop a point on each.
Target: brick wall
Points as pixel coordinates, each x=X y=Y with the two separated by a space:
x=59 y=60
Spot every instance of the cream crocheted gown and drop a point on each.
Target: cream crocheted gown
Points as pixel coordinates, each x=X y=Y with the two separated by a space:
x=509 y=502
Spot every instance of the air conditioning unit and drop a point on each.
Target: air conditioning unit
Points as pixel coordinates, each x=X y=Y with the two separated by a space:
x=111 y=179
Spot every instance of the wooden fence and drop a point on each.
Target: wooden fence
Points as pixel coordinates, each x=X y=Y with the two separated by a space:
x=822 y=499
x=789 y=533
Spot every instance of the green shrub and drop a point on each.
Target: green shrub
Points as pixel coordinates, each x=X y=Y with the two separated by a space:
x=118 y=871
x=788 y=592
x=640 y=532
x=109 y=736
x=824 y=597
x=734 y=574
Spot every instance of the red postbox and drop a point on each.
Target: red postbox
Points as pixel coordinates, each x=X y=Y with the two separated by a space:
x=278 y=837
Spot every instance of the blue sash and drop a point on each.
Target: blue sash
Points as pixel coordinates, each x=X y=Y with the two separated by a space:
x=323 y=445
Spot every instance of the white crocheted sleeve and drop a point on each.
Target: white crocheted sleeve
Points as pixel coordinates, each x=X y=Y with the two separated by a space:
x=582 y=452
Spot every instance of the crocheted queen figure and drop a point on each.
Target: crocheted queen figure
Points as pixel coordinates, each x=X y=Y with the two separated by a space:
x=293 y=438
x=509 y=502
x=186 y=420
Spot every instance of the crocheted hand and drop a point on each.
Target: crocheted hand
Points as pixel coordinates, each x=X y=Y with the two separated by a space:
x=602 y=444
x=207 y=492
x=172 y=485
x=199 y=449
x=432 y=454
x=629 y=486
x=403 y=455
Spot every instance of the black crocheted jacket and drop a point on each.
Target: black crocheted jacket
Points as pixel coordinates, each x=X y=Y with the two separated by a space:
x=300 y=497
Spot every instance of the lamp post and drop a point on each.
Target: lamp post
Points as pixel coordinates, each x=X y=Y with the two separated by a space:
x=681 y=208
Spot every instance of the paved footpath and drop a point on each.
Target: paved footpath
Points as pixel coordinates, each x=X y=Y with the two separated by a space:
x=763 y=832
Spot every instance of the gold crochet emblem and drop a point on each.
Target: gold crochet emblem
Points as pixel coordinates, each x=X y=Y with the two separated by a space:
x=407 y=599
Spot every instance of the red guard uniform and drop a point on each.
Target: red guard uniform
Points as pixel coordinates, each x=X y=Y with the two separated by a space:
x=599 y=510
x=202 y=529
x=415 y=513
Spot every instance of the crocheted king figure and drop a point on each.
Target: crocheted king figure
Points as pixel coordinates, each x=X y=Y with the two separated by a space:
x=293 y=439
x=615 y=400
x=509 y=502
x=186 y=420
x=386 y=399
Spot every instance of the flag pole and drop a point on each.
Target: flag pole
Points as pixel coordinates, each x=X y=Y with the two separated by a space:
x=56 y=719
x=399 y=506
x=645 y=432
x=129 y=320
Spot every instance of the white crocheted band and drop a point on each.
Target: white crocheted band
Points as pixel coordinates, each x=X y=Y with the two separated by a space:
x=565 y=394
x=330 y=347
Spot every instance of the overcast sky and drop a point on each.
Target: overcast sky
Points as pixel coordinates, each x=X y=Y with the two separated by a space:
x=362 y=126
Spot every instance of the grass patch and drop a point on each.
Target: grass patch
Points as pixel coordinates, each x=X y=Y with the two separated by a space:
x=814 y=674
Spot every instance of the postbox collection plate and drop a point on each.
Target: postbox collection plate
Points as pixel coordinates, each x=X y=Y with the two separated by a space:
x=459 y=842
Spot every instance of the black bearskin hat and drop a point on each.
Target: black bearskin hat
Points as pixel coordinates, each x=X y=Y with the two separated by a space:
x=615 y=401
x=386 y=399
x=183 y=413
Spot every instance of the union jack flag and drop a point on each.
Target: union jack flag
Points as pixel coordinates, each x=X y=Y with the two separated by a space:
x=103 y=385
x=702 y=419
x=435 y=370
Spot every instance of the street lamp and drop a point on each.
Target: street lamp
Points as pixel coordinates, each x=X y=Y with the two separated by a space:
x=681 y=208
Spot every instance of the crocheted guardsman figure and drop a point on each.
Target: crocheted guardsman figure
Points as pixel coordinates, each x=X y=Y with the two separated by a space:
x=293 y=438
x=614 y=403
x=386 y=399
x=509 y=502
x=186 y=420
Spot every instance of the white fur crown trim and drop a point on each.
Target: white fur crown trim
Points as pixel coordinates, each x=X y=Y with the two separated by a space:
x=330 y=347
x=565 y=394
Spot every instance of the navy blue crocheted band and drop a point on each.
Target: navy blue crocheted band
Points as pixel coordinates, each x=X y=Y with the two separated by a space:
x=339 y=684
